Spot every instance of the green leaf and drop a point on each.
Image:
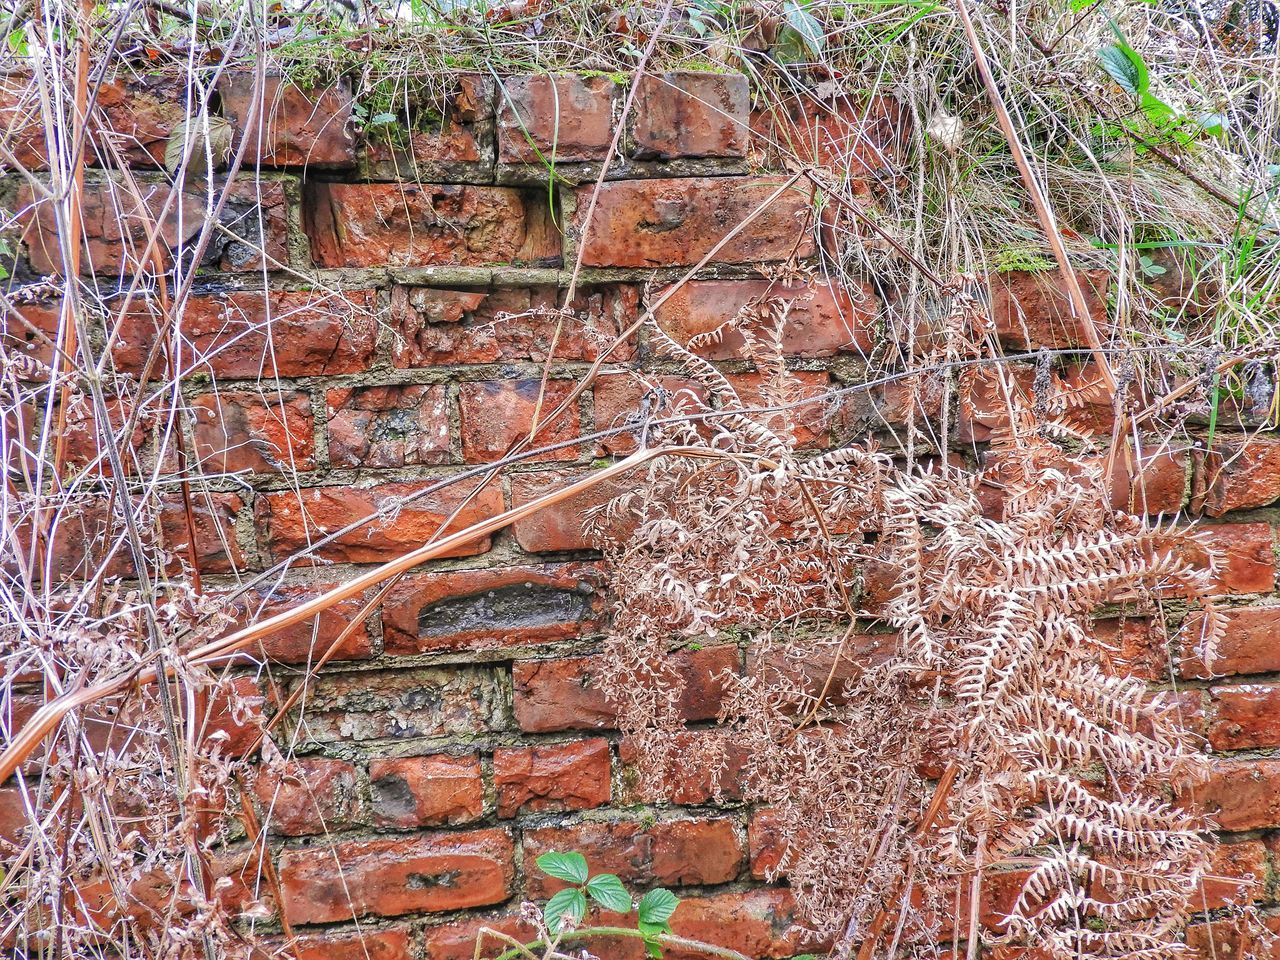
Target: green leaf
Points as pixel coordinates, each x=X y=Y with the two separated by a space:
x=806 y=26
x=567 y=904
x=570 y=867
x=1157 y=111
x=1126 y=67
x=379 y=119
x=653 y=950
x=656 y=908
x=608 y=891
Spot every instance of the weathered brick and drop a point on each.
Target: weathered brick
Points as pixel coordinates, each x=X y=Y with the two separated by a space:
x=243 y=430
x=429 y=873
x=436 y=326
x=560 y=526
x=1236 y=875
x=496 y=413
x=426 y=791
x=760 y=923
x=392 y=426
x=1248 y=646
x=1246 y=716
x=810 y=422
x=295 y=127
x=555 y=119
x=256 y=334
x=766 y=844
x=306 y=795
x=1032 y=310
x=564 y=695
x=1241 y=794
x=308 y=641
x=1247 y=554
x=213 y=519
x=984 y=399
x=855 y=138
x=117 y=222
x=704 y=765
x=689 y=113
x=821 y=320
x=30 y=330
x=367 y=943
x=476 y=609
x=657 y=223
x=399 y=225
x=405 y=704
x=1244 y=475
x=233 y=716
x=675 y=852
x=449 y=139
x=620 y=399
x=1235 y=937
x=457 y=939
x=1153 y=483
x=150 y=445
x=291 y=520
x=1133 y=647
x=571 y=776
x=14 y=822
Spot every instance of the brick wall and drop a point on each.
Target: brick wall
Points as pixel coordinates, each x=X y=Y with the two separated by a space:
x=346 y=352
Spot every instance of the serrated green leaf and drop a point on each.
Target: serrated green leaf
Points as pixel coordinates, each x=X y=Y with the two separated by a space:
x=653 y=950
x=567 y=904
x=656 y=907
x=608 y=891
x=1125 y=66
x=570 y=867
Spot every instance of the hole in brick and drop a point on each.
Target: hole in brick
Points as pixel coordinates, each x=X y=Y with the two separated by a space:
x=426 y=881
x=520 y=606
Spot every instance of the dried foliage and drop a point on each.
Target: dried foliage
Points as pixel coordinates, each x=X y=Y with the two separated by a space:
x=1047 y=762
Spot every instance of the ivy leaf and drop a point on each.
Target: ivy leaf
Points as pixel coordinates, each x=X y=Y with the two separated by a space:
x=1126 y=67
x=656 y=908
x=567 y=904
x=570 y=867
x=608 y=891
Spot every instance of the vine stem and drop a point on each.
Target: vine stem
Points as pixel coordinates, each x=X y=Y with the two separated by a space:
x=663 y=939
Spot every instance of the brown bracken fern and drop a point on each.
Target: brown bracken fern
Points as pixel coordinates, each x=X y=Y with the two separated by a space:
x=989 y=706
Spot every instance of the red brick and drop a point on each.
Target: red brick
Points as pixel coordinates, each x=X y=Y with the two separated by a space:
x=30 y=330
x=767 y=845
x=13 y=817
x=571 y=776
x=689 y=113
x=1235 y=937
x=810 y=422
x=1241 y=794
x=674 y=853
x=392 y=426
x=139 y=115
x=446 y=151
x=704 y=765
x=555 y=119
x=563 y=694
x=619 y=399
x=216 y=547
x=139 y=453
x=822 y=320
x=856 y=139
x=416 y=225
x=233 y=716
x=306 y=795
x=1247 y=554
x=496 y=413
x=1246 y=716
x=1032 y=310
x=405 y=704
x=1244 y=475
x=563 y=525
x=255 y=334
x=1249 y=644
x=294 y=520
x=492 y=608
x=367 y=943
x=116 y=224
x=1152 y=483
x=486 y=326
x=758 y=923
x=308 y=641
x=457 y=939
x=239 y=430
x=294 y=127
x=426 y=791
x=984 y=400
x=657 y=223
x=428 y=873
x=1133 y=647
x=1236 y=875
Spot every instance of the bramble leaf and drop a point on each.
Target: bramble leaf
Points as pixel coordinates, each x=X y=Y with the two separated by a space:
x=570 y=867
